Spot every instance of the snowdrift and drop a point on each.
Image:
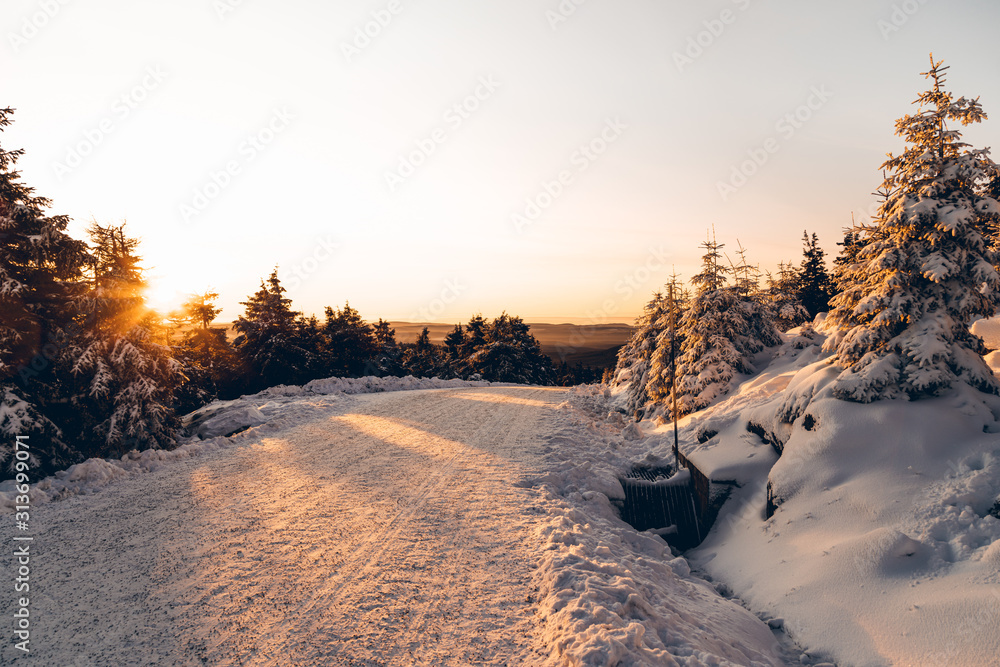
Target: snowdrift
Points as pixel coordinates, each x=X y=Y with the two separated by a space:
x=870 y=530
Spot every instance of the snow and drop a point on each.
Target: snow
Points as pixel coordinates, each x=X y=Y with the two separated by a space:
x=468 y=525
x=478 y=524
x=882 y=550
x=271 y=408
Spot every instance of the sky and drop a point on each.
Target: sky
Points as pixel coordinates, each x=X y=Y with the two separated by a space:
x=429 y=159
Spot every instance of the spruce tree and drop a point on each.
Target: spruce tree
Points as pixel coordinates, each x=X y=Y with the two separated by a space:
x=927 y=268
x=667 y=344
x=721 y=329
x=351 y=341
x=635 y=356
x=511 y=353
x=844 y=263
x=814 y=287
x=126 y=379
x=41 y=283
x=782 y=300
x=204 y=351
x=453 y=344
x=422 y=359
x=387 y=360
x=475 y=335
x=267 y=345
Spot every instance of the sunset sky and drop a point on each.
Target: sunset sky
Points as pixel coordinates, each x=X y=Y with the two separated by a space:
x=390 y=168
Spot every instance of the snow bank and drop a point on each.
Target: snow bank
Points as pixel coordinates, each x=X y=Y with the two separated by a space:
x=882 y=549
x=608 y=594
x=221 y=424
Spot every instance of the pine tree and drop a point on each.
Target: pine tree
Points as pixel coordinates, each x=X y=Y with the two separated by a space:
x=454 y=341
x=510 y=353
x=388 y=355
x=352 y=345
x=780 y=297
x=927 y=267
x=126 y=379
x=635 y=356
x=845 y=262
x=475 y=335
x=422 y=359
x=713 y=273
x=746 y=277
x=41 y=270
x=267 y=345
x=815 y=287
x=204 y=351
x=668 y=344
x=310 y=338
x=721 y=331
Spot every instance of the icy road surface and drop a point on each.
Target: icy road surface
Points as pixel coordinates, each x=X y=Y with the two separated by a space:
x=384 y=533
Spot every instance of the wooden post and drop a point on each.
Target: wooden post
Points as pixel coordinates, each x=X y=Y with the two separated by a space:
x=673 y=374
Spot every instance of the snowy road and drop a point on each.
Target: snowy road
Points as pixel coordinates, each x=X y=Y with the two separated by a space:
x=387 y=530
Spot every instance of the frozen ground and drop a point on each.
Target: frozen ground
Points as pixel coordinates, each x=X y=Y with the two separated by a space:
x=455 y=526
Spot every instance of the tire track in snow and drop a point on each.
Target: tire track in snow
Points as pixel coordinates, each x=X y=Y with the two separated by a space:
x=487 y=420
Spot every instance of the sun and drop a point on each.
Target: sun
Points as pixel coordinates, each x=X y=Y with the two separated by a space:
x=163 y=296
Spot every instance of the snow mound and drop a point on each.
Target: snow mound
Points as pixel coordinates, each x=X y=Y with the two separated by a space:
x=230 y=422
x=881 y=549
x=610 y=595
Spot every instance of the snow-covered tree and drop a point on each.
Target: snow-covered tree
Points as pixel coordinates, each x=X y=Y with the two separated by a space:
x=721 y=331
x=635 y=356
x=40 y=286
x=927 y=267
x=475 y=335
x=268 y=344
x=126 y=378
x=204 y=351
x=668 y=344
x=844 y=263
x=782 y=299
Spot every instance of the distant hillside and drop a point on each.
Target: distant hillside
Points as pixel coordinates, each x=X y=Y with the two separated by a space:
x=594 y=345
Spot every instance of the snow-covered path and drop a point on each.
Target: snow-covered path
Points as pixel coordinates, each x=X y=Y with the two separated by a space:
x=386 y=530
